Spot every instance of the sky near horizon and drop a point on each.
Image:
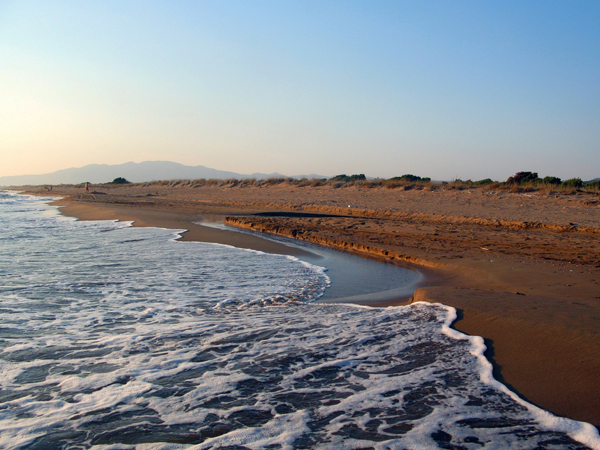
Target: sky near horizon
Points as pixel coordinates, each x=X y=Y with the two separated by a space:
x=444 y=89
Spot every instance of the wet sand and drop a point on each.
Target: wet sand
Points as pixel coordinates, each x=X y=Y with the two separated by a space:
x=165 y=218
x=362 y=275
x=523 y=270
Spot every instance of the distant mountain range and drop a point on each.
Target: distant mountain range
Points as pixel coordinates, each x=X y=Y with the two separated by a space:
x=134 y=172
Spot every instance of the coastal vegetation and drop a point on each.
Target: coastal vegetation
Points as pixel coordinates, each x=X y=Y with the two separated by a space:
x=345 y=178
x=119 y=180
x=521 y=182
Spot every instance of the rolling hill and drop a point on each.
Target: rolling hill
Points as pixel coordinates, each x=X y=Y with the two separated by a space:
x=134 y=172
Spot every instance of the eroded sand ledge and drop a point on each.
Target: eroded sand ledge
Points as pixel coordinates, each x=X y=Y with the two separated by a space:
x=523 y=270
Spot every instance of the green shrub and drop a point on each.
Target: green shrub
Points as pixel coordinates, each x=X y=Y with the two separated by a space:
x=573 y=182
x=552 y=180
x=346 y=178
x=592 y=185
x=410 y=178
x=120 y=180
x=523 y=177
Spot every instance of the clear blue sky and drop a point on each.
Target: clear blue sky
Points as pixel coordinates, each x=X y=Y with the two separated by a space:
x=445 y=89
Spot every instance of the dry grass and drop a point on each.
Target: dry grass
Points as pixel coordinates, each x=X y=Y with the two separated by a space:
x=395 y=183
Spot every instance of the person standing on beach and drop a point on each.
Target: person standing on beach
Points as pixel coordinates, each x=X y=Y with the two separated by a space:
x=87 y=187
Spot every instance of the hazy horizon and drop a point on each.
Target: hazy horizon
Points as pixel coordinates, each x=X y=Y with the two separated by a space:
x=445 y=90
x=138 y=177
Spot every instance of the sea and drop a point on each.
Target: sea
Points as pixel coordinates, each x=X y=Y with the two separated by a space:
x=115 y=337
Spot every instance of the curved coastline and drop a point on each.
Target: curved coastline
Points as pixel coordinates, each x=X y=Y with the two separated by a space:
x=542 y=340
x=370 y=289
x=394 y=297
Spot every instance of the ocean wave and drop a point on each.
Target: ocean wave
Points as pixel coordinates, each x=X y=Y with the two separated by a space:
x=119 y=337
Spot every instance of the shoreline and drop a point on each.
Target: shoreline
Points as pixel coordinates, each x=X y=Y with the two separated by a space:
x=160 y=218
x=538 y=312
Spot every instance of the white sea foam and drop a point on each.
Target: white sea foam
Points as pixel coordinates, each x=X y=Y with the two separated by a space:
x=115 y=337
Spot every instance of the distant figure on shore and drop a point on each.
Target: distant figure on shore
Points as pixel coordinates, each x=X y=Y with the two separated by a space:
x=87 y=187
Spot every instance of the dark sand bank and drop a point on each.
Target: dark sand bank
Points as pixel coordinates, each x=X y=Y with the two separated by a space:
x=523 y=270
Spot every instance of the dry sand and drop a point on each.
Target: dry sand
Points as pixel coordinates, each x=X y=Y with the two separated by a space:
x=523 y=270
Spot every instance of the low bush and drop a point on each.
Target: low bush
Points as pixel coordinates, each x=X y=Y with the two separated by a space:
x=411 y=178
x=346 y=178
x=119 y=180
x=552 y=180
x=573 y=182
x=523 y=177
x=592 y=185
x=519 y=183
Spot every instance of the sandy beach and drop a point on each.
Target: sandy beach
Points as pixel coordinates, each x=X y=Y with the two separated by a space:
x=523 y=270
